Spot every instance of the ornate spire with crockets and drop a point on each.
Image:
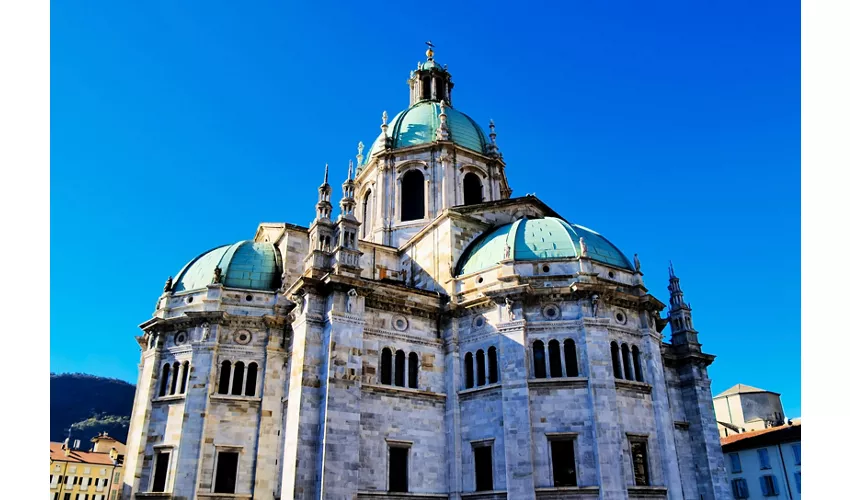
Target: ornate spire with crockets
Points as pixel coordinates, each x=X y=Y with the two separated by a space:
x=492 y=148
x=324 y=207
x=347 y=203
x=680 y=312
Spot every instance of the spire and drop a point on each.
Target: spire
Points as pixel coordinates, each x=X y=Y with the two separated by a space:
x=324 y=207
x=492 y=148
x=347 y=203
x=443 y=131
x=679 y=317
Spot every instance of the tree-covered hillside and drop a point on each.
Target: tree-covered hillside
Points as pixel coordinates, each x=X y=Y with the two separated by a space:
x=89 y=405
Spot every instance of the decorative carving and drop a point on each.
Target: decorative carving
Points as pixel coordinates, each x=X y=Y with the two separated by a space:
x=509 y=306
x=205 y=332
x=169 y=283
x=637 y=263
x=351 y=300
x=594 y=304
x=217 y=276
x=583 y=246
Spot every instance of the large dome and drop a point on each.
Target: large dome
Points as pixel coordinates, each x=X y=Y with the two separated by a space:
x=244 y=264
x=418 y=124
x=538 y=239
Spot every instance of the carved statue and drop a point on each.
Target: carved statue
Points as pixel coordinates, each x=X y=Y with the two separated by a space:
x=349 y=303
x=205 y=332
x=299 y=303
x=637 y=263
x=594 y=304
x=583 y=246
x=169 y=283
x=509 y=304
x=507 y=251
x=217 y=275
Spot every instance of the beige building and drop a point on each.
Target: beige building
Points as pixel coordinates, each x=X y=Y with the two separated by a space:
x=744 y=408
x=86 y=475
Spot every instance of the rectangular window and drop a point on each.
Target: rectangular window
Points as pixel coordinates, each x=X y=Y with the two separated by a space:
x=768 y=486
x=67 y=496
x=640 y=463
x=115 y=478
x=160 y=471
x=735 y=460
x=797 y=479
x=56 y=496
x=796 y=448
x=739 y=488
x=764 y=458
x=398 y=468
x=563 y=462
x=483 y=467
x=225 y=472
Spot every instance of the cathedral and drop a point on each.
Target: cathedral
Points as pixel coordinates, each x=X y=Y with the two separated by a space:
x=437 y=338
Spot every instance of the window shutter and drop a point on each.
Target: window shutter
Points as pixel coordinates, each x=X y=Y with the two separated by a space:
x=763 y=481
x=744 y=490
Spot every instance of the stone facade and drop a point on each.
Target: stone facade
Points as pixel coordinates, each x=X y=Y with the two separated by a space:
x=374 y=342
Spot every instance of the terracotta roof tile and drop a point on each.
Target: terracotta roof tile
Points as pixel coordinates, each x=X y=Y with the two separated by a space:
x=78 y=456
x=725 y=442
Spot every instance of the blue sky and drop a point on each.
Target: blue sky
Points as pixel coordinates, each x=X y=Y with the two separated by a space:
x=670 y=127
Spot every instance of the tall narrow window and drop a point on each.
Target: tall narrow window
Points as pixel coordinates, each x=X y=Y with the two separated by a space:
x=225 y=472
x=640 y=463
x=175 y=371
x=160 y=471
x=224 y=378
x=615 y=360
x=539 y=353
x=472 y=189
x=493 y=364
x=413 y=370
x=627 y=363
x=764 y=458
x=795 y=447
x=555 y=359
x=563 y=462
x=238 y=376
x=366 y=199
x=571 y=357
x=184 y=378
x=735 y=462
x=399 y=368
x=480 y=371
x=438 y=85
x=251 y=380
x=163 y=383
x=483 y=468
x=398 y=468
x=386 y=366
x=769 y=486
x=739 y=488
x=637 y=364
x=469 y=371
x=425 y=87
x=412 y=195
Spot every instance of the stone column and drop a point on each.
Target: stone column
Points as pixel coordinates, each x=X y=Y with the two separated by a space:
x=454 y=383
x=146 y=387
x=270 y=436
x=339 y=430
x=517 y=418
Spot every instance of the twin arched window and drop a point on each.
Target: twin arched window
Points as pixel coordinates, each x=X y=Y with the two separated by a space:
x=558 y=362
x=412 y=195
x=393 y=368
x=480 y=370
x=234 y=379
x=173 y=378
x=626 y=362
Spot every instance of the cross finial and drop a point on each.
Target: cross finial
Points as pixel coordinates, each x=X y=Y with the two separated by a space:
x=672 y=272
x=430 y=51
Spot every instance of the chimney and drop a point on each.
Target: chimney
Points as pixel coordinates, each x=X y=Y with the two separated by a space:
x=65 y=446
x=76 y=444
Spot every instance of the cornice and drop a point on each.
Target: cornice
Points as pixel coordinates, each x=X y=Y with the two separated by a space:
x=395 y=335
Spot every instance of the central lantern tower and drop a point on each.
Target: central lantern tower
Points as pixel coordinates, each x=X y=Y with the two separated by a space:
x=428 y=158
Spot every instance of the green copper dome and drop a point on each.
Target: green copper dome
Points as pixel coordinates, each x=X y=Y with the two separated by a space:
x=419 y=123
x=537 y=239
x=245 y=264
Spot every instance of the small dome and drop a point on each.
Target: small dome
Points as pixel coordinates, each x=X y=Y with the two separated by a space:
x=419 y=123
x=245 y=264
x=538 y=239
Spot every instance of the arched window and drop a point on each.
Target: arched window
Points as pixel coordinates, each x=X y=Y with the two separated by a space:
x=238 y=375
x=184 y=377
x=555 y=359
x=493 y=365
x=399 y=368
x=615 y=360
x=571 y=358
x=413 y=370
x=441 y=93
x=366 y=208
x=251 y=380
x=425 y=88
x=472 y=189
x=412 y=195
x=481 y=372
x=627 y=363
x=163 y=383
x=175 y=371
x=539 y=352
x=386 y=366
x=224 y=378
x=469 y=371
x=636 y=360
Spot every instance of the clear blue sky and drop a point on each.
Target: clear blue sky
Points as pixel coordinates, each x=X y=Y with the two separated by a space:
x=671 y=128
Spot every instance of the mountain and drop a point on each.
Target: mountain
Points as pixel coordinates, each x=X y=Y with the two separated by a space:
x=89 y=405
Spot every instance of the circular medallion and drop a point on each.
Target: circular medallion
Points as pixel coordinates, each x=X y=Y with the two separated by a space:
x=551 y=311
x=242 y=337
x=400 y=323
x=180 y=338
x=478 y=321
x=620 y=317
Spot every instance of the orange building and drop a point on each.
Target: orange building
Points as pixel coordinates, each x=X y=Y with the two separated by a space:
x=86 y=475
